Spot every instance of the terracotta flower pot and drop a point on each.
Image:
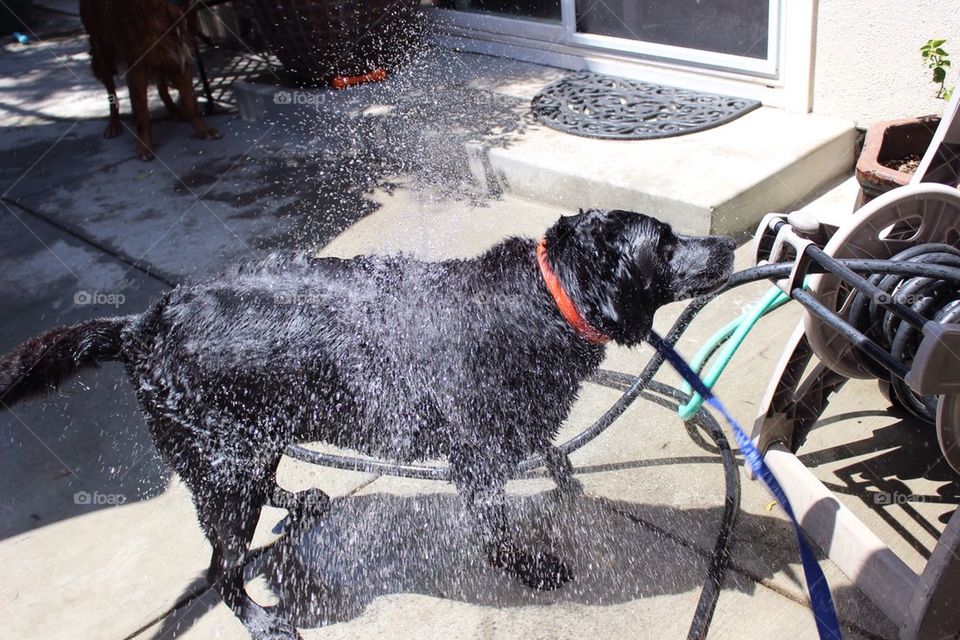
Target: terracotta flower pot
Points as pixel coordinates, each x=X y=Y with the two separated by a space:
x=887 y=142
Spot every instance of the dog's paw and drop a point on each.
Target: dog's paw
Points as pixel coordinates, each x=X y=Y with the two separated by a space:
x=542 y=571
x=145 y=152
x=537 y=570
x=113 y=129
x=267 y=625
x=208 y=133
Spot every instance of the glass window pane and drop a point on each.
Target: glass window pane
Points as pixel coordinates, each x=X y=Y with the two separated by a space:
x=546 y=10
x=737 y=27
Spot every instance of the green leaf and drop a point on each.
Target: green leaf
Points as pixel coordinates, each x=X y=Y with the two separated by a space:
x=936 y=43
x=939 y=74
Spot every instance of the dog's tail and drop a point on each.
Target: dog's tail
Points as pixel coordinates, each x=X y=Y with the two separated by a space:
x=43 y=362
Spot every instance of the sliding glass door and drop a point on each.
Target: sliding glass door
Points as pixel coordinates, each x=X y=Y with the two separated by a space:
x=739 y=34
x=736 y=35
x=734 y=27
x=540 y=10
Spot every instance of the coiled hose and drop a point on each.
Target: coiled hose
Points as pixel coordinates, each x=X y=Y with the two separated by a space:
x=933 y=298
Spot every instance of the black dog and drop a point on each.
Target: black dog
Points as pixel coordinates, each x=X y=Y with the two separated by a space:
x=477 y=361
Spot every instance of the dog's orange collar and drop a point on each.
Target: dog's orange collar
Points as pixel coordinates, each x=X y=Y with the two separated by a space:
x=566 y=306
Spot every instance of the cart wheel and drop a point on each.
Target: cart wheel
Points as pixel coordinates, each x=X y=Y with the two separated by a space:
x=899 y=219
x=948 y=429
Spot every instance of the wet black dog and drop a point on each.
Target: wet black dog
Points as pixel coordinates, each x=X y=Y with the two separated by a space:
x=477 y=361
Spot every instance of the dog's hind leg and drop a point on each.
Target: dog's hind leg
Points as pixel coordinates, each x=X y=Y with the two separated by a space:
x=113 y=124
x=229 y=516
x=137 y=86
x=484 y=494
x=173 y=109
x=104 y=69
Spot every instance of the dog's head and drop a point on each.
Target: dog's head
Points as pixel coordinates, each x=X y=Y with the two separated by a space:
x=619 y=267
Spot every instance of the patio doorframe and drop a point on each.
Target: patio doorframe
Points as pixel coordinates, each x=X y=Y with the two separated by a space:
x=782 y=80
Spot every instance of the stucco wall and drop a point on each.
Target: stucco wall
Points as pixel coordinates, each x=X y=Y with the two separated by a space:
x=868 y=64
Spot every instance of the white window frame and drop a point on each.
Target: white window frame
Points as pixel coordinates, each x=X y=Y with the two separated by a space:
x=782 y=79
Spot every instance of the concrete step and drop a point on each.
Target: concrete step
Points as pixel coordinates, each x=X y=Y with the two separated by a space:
x=718 y=181
x=722 y=180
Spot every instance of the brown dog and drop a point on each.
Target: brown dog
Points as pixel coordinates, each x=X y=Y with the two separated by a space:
x=151 y=40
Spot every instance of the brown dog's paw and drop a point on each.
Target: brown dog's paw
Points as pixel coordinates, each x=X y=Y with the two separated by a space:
x=113 y=129
x=209 y=133
x=145 y=152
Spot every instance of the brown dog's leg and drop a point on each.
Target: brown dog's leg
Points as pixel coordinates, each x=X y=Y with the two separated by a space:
x=137 y=85
x=173 y=109
x=188 y=103
x=104 y=69
x=113 y=125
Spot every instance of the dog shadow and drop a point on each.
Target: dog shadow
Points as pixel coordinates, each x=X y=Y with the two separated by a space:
x=370 y=546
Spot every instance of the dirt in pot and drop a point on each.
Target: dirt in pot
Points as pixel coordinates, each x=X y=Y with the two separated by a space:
x=906 y=164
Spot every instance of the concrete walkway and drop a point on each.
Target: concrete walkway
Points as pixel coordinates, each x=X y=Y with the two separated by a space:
x=98 y=540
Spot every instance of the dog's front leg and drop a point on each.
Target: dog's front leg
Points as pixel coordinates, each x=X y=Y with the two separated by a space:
x=485 y=497
x=188 y=102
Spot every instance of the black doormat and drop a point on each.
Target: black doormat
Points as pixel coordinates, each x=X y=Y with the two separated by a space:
x=601 y=106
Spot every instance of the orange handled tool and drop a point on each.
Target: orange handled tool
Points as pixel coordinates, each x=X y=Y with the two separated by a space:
x=342 y=82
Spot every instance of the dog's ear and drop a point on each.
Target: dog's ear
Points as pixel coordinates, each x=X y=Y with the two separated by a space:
x=610 y=266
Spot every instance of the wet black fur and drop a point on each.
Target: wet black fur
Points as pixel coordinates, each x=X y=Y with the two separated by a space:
x=467 y=360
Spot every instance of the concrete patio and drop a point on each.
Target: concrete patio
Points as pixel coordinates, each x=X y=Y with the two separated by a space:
x=99 y=540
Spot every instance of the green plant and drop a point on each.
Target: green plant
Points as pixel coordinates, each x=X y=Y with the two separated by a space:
x=938 y=60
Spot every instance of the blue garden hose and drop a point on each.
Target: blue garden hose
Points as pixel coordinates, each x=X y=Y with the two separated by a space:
x=821 y=600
